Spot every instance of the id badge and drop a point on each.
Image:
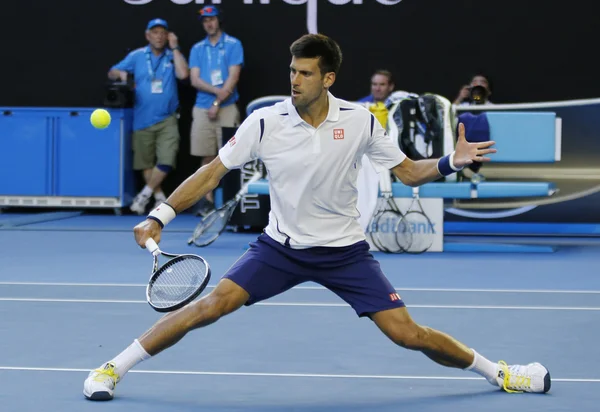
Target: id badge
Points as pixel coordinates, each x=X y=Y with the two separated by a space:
x=157 y=86
x=216 y=77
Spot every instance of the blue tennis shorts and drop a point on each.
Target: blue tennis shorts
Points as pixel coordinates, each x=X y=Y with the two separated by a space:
x=269 y=268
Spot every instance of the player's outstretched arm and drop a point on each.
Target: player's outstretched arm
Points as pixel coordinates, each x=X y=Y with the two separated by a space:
x=187 y=194
x=416 y=173
x=196 y=186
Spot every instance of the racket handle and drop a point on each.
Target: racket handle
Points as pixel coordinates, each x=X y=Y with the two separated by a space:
x=151 y=246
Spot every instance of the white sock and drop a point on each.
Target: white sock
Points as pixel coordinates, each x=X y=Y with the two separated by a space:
x=160 y=196
x=146 y=191
x=130 y=357
x=484 y=367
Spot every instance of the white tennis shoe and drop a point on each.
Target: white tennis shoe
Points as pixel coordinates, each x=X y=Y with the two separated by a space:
x=533 y=378
x=100 y=383
x=139 y=204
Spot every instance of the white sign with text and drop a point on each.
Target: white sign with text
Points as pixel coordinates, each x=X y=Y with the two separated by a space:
x=434 y=210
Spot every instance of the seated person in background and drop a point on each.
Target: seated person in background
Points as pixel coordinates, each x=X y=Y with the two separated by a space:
x=382 y=95
x=477 y=92
x=155 y=126
x=382 y=84
x=378 y=102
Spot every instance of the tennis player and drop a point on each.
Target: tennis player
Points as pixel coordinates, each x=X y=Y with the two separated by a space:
x=312 y=145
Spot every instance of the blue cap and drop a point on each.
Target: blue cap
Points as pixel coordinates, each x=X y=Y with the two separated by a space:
x=208 y=11
x=157 y=22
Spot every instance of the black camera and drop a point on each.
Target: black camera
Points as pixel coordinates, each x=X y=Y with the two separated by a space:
x=119 y=94
x=478 y=94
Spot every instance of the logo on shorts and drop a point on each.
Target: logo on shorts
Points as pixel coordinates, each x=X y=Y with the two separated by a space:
x=232 y=141
x=394 y=297
x=338 y=134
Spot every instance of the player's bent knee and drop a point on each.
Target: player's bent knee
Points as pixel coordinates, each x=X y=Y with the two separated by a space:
x=411 y=337
x=223 y=300
x=205 y=311
x=229 y=296
x=401 y=329
x=212 y=308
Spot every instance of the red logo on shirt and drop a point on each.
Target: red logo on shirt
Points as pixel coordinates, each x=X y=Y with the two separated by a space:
x=394 y=297
x=338 y=134
x=232 y=141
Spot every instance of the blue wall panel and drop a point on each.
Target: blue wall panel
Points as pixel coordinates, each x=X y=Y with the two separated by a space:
x=87 y=159
x=25 y=158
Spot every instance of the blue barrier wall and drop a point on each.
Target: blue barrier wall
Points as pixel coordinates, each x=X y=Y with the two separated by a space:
x=55 y=152
x=576 y=176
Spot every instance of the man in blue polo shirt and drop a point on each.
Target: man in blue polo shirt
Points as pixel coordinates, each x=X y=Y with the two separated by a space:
x=382 y=85
x=155 y=128
x=215 y=66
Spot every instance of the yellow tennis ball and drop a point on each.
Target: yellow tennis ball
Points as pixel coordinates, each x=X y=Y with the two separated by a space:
x=100 y=119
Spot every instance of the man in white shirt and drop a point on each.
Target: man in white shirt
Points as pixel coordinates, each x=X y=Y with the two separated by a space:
x=311 y=145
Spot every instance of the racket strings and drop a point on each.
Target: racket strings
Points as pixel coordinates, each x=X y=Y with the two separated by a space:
x=209 y=229
x=386 y=226
x=422 y=232
x=404 y=234
x=221 y=221
x=177 y=281
x=386 y=230
x=205 y=224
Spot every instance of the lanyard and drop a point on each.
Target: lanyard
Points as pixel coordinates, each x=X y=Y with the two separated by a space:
x=151 y=70
x=220 y=52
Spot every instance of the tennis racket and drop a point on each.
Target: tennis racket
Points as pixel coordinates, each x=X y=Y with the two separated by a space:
x=386 y=221
x=177 y=282
x=417 y=226
x=213 y=224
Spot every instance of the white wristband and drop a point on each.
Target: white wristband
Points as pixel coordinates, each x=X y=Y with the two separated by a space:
x=456 y=169
x=163 y=214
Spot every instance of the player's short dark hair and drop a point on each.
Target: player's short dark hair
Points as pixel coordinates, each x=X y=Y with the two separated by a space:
x=311 y=46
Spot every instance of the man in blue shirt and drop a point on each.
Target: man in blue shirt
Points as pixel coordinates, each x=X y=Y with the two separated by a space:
x=155 y=69
x=215 y=66
x=382 y=85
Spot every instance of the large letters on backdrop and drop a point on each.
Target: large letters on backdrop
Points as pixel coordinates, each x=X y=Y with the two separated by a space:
x=311 y=6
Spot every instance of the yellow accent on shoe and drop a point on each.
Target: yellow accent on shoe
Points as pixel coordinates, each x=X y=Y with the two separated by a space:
x=519 y=381
x=107 y=371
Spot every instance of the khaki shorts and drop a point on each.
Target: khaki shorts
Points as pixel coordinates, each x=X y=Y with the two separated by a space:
x=206 y=134
x=156 y=145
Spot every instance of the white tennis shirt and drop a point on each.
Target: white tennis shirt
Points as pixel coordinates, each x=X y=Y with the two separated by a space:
x=312 y=171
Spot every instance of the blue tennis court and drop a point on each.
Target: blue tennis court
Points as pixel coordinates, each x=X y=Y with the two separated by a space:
x=72 y=295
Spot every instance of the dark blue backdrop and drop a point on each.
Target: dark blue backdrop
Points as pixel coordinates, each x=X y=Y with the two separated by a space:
x=57 y=52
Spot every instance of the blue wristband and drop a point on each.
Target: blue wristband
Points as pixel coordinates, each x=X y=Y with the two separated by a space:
x=445 y=166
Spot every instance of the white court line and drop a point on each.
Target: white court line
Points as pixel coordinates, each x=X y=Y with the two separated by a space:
x=317 y=304
x=284 y=375
x=143 y=285
x=109 y=285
